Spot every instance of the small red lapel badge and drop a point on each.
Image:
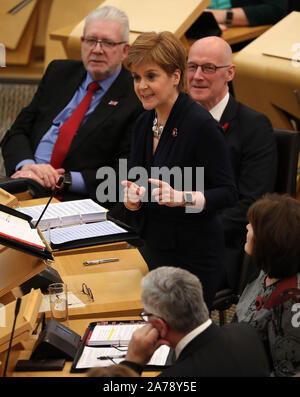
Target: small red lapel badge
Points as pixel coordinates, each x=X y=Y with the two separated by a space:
x=174 y=132
x=258 y=303
x=113 y=103
x=224 y=127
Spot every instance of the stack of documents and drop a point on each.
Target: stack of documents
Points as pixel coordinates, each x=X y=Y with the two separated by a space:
x=66 y=213
x=77 y=223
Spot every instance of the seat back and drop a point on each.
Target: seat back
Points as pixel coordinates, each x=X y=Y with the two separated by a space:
x=294 y=5
x=288 y=143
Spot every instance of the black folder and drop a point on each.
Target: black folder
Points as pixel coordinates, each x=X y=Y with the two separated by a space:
x=87 y=335
x=28 y=248
x=131 y=235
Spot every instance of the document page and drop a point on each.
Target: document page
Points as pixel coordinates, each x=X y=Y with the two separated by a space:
x=79 y=232
x=113 y=334
x=104 y=356
x=19 y=229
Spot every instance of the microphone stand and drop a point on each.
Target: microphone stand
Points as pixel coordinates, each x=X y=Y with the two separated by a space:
x=54 y=192
x=17 y=309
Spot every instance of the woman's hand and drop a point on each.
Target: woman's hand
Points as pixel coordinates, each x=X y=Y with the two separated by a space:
x=164 y=194
x=133 y=195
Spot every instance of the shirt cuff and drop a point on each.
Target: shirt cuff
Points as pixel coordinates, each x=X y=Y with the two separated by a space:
x=78 y=184
x=26 y=161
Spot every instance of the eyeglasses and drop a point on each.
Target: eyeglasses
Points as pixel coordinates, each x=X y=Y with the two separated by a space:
x=87 y=291
x=104 y=44
x=207 y=68
x=145 y=316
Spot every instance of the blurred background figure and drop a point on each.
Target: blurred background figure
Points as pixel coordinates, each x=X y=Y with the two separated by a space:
x=248 y=12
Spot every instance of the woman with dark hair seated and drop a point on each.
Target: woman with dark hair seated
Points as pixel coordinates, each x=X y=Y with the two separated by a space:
x=271 y=303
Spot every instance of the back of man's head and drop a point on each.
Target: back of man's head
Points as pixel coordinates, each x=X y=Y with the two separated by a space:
x=175 y=295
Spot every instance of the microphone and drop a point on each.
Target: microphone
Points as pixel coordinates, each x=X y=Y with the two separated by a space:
x=54 y=192
x=17 y=309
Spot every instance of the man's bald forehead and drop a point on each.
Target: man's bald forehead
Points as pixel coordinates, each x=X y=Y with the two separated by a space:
x=213 y=44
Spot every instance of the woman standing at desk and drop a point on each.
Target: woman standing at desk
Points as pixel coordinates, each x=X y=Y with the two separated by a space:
x=178 y=218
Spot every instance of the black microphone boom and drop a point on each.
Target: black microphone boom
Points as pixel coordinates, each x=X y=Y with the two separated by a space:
x=17 y=309
x=54 y=192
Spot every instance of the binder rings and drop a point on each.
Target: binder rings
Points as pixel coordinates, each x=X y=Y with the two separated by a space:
x=119 y=352
x=79 y=223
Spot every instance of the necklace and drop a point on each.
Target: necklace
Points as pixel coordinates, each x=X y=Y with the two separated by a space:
x=157 y=129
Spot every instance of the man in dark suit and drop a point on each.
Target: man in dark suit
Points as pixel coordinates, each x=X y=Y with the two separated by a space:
x=104 y=133
x=177 y=316
x=248 y=134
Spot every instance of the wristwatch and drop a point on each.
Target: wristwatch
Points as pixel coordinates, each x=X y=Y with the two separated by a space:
x=188 y=198
x=67 y=183
x=229 y=17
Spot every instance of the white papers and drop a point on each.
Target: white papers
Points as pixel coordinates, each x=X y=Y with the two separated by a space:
x=19 y=229
x=73 y=302
x=66 y=213
x=89 y=356
x=78 y=232
x=113 y=334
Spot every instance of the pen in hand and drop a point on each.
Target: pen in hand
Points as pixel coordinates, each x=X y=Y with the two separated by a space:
x=86 y=263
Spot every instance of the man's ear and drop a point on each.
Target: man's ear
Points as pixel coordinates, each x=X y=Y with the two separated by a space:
x=125 y=51
x=162 y=327
x=231 y=72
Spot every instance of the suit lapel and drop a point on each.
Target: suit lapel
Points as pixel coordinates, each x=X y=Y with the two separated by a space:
x=69 y=87
x=65 y=91
x=229 y=115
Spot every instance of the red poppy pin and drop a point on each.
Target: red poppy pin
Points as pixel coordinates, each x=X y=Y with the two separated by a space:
x=174 y=132
x=258 y=303
x=224 y=127
x=113 y=103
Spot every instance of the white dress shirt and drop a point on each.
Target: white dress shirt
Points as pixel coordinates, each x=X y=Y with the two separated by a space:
x=218 y=110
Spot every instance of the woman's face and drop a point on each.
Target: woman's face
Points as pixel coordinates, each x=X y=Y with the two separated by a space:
x=154 y=87
x=249 y=240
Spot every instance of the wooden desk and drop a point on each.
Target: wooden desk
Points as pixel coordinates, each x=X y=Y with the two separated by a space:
x=79 y=326
x=116 y=287
x=238 y=34
x=267 y=76
x=144 y=16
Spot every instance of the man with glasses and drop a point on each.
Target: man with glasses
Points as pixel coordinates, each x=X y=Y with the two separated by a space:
x=80 y=119
x=248 y=134
x=177 y=316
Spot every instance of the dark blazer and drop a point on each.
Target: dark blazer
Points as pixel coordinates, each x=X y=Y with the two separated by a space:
x=253 y=155
x=101 y=141
x=191 y=138
x=233 y=350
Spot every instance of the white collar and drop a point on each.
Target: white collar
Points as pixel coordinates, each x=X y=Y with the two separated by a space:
x=219 y=108
x=190 y=336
